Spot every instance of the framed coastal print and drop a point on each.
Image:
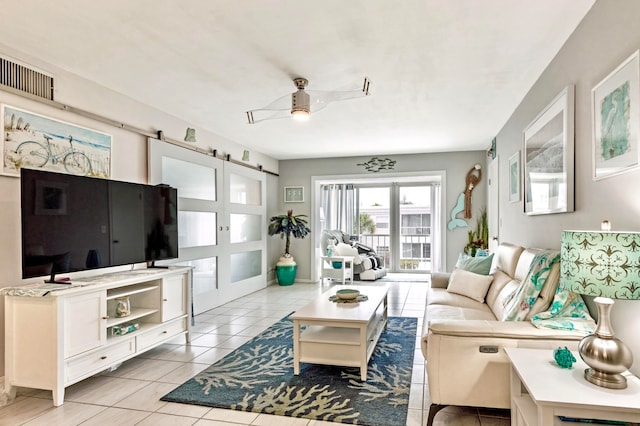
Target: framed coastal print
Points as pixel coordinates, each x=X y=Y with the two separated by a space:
x=616 y=121
x=548 y=157
x=37 y=142
x=294 y=194
x=514 y=177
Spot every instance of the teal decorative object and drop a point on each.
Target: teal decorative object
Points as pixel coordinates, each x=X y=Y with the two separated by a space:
x=459 y=207
x=563 y=357
x=286 y=274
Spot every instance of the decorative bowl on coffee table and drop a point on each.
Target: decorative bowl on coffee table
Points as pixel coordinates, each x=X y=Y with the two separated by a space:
x=347 y=293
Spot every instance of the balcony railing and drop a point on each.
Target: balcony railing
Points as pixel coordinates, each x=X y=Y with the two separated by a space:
x=381 y=243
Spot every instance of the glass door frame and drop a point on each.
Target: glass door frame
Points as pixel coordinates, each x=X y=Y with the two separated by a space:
x=419 y=178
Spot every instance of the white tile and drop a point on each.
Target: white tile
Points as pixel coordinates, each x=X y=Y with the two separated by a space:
x=204 y=422
x=69 y=413
x=231 y=416
x=159 y=419
x=103 y=390
x=183 y=373
x=147 y=398
x=22 y=409
x=210 y=340
x=188 y=410
x=145 y=369
x=269 y=420
x=212 y=355
x=117 y=416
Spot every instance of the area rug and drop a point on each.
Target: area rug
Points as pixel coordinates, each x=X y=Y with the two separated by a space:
x=258 y=377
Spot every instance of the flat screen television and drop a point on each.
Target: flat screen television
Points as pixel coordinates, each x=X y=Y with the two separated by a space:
x=74 y=223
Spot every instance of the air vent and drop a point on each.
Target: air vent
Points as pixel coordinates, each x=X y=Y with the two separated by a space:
x=25 y=79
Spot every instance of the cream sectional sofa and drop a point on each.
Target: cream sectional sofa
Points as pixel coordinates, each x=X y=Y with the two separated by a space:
x=463 y=339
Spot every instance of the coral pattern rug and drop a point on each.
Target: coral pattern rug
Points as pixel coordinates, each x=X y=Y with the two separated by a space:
x=258 y=377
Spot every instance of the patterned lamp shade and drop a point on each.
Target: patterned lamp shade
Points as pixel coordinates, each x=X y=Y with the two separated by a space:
x=599 y=263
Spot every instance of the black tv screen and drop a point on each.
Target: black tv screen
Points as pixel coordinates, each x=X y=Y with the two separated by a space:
x=73 y=223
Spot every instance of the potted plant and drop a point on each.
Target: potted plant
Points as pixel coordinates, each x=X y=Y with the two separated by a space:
x=478 y=239
x=287 y=225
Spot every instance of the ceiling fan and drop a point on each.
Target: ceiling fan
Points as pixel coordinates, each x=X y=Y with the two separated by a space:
x=302 y=103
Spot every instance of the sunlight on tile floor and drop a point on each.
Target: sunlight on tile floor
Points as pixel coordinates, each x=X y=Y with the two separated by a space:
x=130 y=395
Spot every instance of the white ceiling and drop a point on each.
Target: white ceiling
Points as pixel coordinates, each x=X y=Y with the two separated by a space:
x=446 y=74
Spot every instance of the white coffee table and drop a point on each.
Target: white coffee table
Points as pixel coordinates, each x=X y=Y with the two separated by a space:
x=342 y=334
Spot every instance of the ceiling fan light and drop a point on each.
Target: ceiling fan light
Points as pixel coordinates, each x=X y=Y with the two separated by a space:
x=300 y=114
x=300 y=105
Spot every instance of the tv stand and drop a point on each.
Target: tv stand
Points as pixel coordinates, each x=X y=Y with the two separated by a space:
x=67 y=335
x=152 y=265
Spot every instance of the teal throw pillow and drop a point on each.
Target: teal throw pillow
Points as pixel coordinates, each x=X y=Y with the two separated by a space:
x=477 y=265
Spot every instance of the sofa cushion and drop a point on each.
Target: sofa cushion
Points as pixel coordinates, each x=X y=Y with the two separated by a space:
x=469 y=284
x=506 y=258
x=500 y=279
x=440 y=296
x=498 y=305
x=451 y=312
x=478 y=265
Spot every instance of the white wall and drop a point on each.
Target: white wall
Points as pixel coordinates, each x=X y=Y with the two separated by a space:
x=129 y=151
x=605 y=38
x=456 y=165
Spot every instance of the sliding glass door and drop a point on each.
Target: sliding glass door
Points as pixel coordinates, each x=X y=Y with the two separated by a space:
x=399 y=218
x=414 y=212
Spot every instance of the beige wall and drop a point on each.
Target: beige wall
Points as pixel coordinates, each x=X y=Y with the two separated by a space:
x=607 y=36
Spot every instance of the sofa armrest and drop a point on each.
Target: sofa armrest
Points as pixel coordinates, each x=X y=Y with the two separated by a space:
x=440 y=279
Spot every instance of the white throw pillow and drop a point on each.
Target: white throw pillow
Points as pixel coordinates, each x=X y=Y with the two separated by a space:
x=343 y=249
x=469 y=284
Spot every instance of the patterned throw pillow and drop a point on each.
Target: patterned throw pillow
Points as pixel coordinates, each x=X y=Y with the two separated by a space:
x=477 y=265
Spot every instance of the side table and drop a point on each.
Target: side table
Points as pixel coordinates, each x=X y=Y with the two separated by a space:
x=336 y=267
x=541 y=391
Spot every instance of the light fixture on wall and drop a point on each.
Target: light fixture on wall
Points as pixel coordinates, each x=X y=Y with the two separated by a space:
x=604 y=264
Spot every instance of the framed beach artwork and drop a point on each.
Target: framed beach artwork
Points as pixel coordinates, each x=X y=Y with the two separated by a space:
x=514 y=177
x=548 y=157
x=37 y=142
x=616 y=121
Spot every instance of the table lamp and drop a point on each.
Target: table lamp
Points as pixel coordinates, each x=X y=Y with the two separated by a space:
x=605 y=264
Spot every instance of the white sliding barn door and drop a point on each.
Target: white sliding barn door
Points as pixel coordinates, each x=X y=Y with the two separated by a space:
x=221 y=222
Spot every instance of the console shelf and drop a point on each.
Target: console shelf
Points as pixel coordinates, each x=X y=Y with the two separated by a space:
x=57 y=339
x=135 y=314
x=126 y=291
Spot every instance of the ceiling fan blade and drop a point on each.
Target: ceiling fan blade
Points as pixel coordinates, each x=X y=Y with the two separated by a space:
x=280 y=108
x=321 y=98
x=257 y=115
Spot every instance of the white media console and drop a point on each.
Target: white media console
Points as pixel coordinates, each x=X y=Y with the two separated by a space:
x=56 y=336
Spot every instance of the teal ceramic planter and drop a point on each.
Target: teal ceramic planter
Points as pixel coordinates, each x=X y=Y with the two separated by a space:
x=286 y=270
x=286 y=274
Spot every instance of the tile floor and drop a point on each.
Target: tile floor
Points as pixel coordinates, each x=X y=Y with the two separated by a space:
x=130 y=395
